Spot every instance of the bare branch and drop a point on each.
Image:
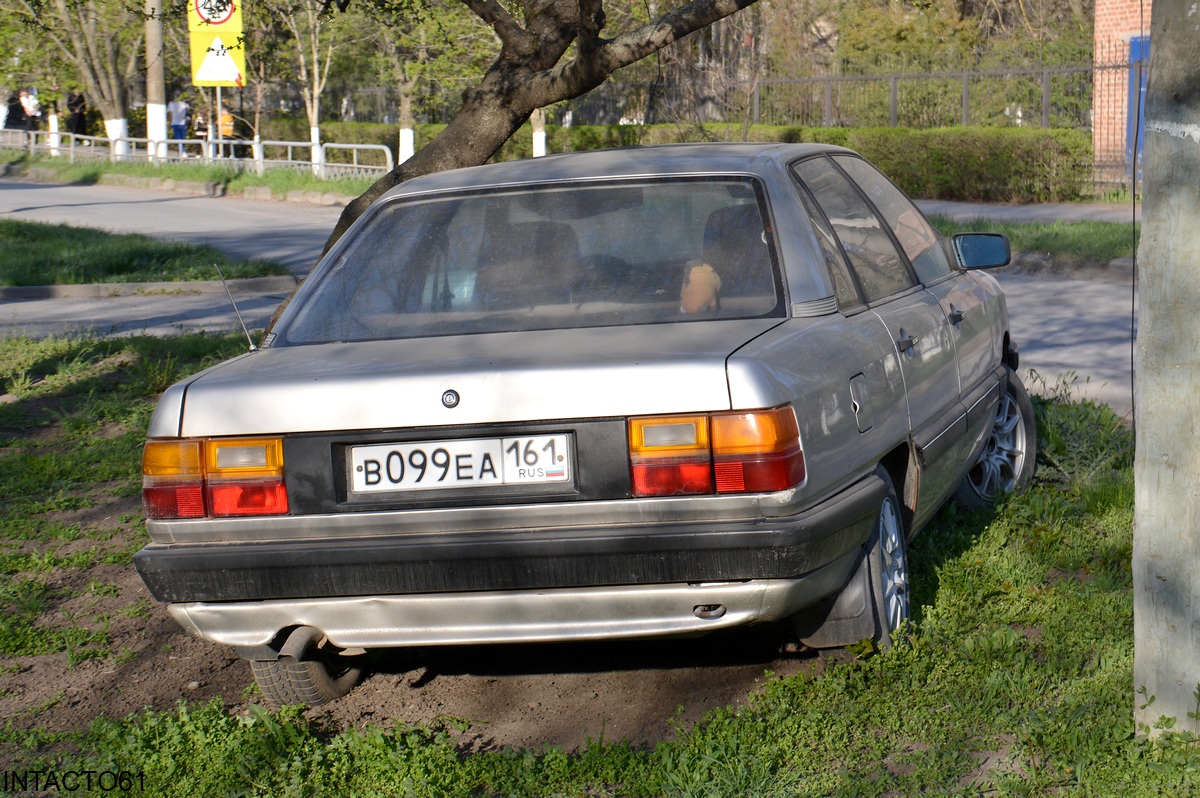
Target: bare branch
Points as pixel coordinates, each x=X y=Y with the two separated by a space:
x=671 y=27
x=511 y=34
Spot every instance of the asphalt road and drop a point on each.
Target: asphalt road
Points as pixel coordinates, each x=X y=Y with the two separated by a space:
x=1065 y=325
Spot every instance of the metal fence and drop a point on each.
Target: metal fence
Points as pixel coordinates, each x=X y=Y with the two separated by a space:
x=326 y=161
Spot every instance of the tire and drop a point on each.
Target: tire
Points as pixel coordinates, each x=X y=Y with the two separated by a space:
x=316 y=677
x=1009 y=456
x=874 y=603
x=887 y=563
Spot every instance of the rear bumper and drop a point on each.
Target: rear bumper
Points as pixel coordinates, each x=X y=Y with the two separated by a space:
x=524 y=616
x=521 y=559
x=515 y=586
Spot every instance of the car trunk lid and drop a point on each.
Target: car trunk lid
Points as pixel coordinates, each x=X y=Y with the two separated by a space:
x=496 y=378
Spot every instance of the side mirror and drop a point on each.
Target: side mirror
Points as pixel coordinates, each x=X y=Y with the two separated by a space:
x=981 y=250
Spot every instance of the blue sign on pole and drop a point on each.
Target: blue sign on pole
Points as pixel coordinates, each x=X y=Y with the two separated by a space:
x=1139 y=69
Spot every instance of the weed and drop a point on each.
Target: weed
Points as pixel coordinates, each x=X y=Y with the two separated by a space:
x=81 y=643
x=98 y=588
x=20 y=383
x=138 y=609
x=156 y=375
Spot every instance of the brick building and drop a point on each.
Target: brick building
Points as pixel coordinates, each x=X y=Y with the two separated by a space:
x=1122 y=54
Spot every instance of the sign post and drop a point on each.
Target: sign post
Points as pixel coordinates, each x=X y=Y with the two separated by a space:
x=217 y=49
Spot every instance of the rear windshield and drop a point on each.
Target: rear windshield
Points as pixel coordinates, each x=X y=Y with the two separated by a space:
x=549 y=257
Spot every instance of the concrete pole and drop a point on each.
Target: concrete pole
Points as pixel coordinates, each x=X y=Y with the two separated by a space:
x=538 y=118
x=408 y=139
x=1166 y=542
x=156 y=89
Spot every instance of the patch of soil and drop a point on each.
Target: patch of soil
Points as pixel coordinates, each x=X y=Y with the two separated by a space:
x=514 y=696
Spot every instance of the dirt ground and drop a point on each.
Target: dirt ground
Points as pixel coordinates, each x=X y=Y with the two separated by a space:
x=514 y=696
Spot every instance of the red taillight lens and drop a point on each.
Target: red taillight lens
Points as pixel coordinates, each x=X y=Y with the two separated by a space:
x=746 y=452
x=216 y=477
x=173 y=501
x=671 y=479
x=229 y=500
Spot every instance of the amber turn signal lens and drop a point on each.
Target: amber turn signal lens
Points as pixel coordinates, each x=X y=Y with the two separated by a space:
x=172 y=459
x=757 y=432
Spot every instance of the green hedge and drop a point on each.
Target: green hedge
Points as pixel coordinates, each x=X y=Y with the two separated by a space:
x=973 y=164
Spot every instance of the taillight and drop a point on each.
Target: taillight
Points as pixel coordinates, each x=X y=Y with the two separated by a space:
x=244 y=476
x=754 y=451
x=757 y=452
x=216 y=477
x=670 y=456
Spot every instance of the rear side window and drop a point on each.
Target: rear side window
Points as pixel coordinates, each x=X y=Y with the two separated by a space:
x=873 y=257
x=547 y=257
x=916 y=236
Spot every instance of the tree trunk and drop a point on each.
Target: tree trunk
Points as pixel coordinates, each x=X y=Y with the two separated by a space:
x=1166 y=543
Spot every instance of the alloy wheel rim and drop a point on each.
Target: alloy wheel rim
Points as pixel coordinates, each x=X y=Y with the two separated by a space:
x=1003 y=456
x=894 y=569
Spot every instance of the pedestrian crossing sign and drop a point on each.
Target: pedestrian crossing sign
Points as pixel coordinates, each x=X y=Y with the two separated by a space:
x=217 y=46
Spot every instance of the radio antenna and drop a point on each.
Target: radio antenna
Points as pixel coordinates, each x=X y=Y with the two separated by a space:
x=237 y=312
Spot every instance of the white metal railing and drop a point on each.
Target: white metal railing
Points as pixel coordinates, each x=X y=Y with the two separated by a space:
x=302 y=155
x=354 y=167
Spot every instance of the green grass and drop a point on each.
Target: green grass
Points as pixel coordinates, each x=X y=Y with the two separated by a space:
x=234 y=180
x=45 y=254
x=1066 y=242
x=1015 y=678
x=70 y=441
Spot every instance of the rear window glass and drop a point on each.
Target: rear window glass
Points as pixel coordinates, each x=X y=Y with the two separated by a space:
x=551 y=257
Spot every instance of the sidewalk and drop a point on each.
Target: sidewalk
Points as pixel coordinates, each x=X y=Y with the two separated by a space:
x=141 y=308
x=1051 y=212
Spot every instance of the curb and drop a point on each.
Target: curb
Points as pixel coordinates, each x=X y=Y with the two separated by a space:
x=264 y=285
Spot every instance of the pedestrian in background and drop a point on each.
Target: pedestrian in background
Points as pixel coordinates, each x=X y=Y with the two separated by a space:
x=16 y=113
x=77 y=108
x=178 y=110
x=33 y=109
x=226 y=127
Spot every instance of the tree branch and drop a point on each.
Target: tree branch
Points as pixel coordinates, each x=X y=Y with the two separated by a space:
x=512 y=35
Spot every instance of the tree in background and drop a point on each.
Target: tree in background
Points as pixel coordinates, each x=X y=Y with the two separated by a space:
x=102 y=43
x=315 y=31
x=437 y=46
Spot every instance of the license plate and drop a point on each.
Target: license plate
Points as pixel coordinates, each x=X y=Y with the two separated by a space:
x=480 y=462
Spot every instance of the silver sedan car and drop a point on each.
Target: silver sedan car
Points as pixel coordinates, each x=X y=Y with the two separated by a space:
x=616 y=394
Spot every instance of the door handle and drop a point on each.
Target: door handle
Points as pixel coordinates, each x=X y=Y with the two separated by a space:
x=955 y=316
x=906 y=342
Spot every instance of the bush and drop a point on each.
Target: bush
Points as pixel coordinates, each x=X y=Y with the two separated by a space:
x=972 y=164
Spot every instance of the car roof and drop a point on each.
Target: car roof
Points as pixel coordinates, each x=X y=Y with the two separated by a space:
x=667 y=159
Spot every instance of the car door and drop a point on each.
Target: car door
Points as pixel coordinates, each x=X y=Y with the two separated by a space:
x=919 y=329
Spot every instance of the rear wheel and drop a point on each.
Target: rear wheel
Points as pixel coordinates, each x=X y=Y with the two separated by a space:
x=874 y=603
x=887 y=560
x=315 y=675
x=1009 y=457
